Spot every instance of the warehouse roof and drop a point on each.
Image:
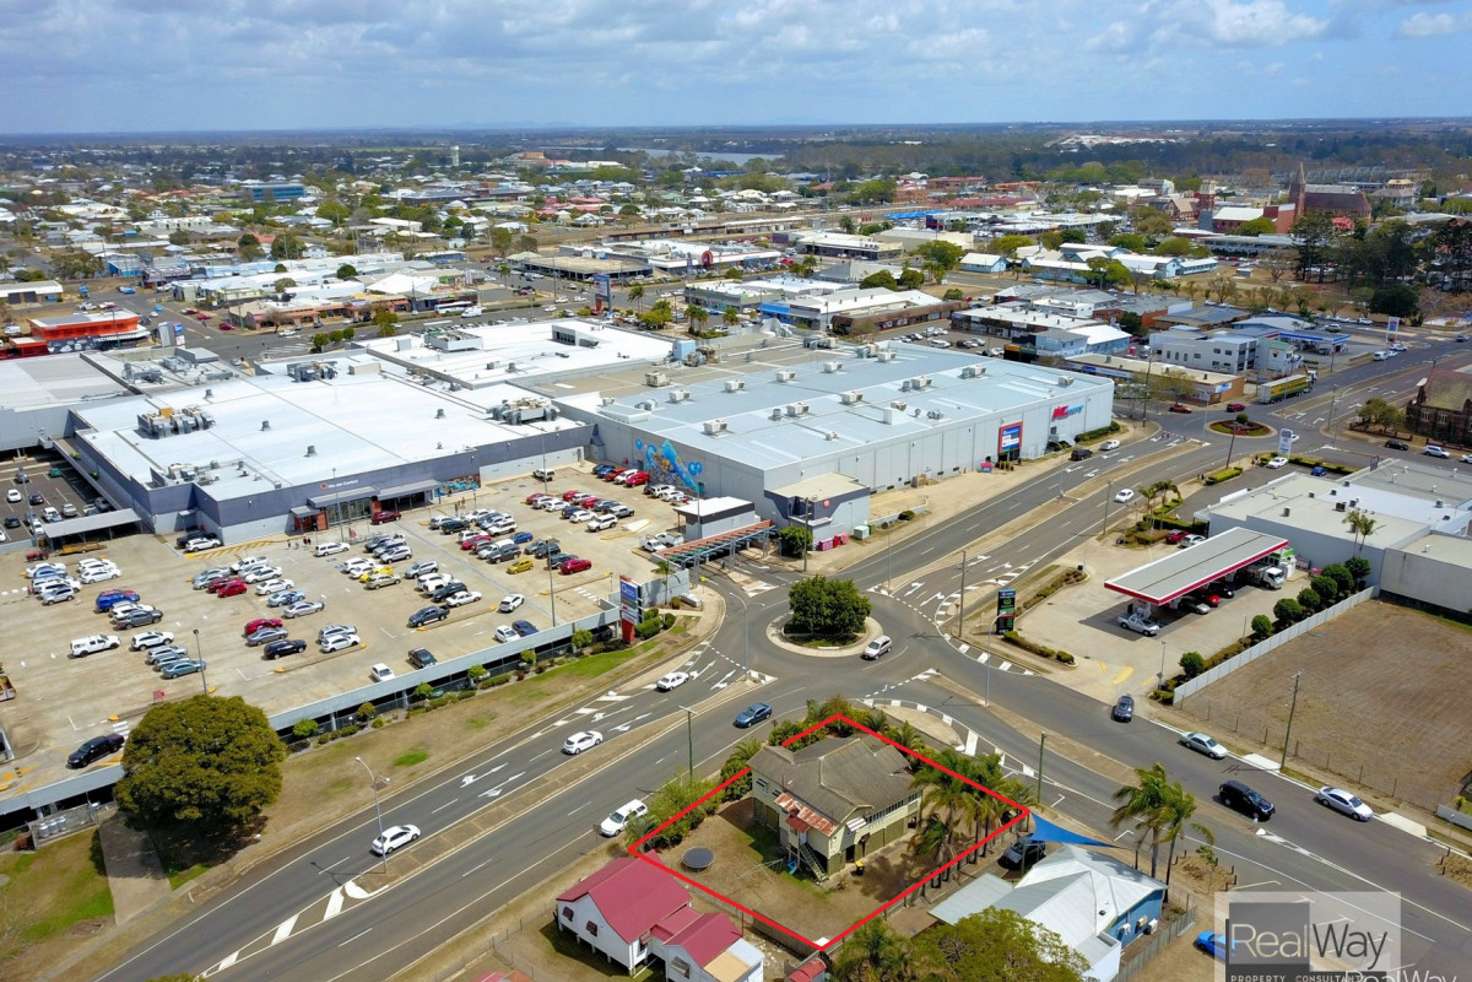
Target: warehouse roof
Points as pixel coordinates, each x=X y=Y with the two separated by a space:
x=56 y=380
x=1184 y=570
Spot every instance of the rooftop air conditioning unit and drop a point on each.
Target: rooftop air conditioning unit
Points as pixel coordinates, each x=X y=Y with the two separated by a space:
x=265 y=425
x=885 y=356
x=605 y=400
x=1064 y=381
x=735 y=384
x=899 y=404
x=679 y=395
x=831 y=435
x=920 y=382
x=311 y=450
x=864 y=351
x=852 y=397
x=829 y=367
x=935 y=414
x=714 y=426
x=655 y=379
x=973 y=371
x=439 y=413
x=647 y=405
x=785 y=375
x=797 y=408
x=776 y=412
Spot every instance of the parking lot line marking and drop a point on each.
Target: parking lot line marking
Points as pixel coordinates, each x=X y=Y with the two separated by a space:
x=1124 y=674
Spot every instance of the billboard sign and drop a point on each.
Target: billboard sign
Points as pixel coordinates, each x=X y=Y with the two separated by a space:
x=1006 y=609
x=1392 y=327
x=602 y=293
x=1285 y=441
x=628 y=600
x=1009 y=439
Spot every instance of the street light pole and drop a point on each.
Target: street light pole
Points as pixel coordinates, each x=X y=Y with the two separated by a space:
x=690 y=738
x=1292 y=706
x=373 y=785
x=1042 y=744
x=961 y=602
x=1160 y=676
x=199 y=653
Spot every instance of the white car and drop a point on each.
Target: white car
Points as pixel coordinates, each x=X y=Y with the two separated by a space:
x=510 y=602
x=202 y=543
x=246 y=562
x=621 y=816
x=672 y=681
x=1108 y=445
x=602 y=523
x=150 y=639
x=93 y=643
x=506 y=633
x=431 y=582
x=380 y=673
x=1277 y=462
x=1345 y=803
x=1124 y=495
x=1203 y=744
x=580 y=741
x=331 y=629
x=1191 y=540
x=262 y=574
x=90 y=564
x=462 y=598
x=302 y=608
x=1433 y=450
x=43 y=569
x=12 y=496
x=580 y=516
x=330 y=548
x=337 y=642
x=276 y=585
x=357 y=567
x=394 y=837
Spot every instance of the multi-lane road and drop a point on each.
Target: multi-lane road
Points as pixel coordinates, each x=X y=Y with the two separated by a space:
x=489 y=835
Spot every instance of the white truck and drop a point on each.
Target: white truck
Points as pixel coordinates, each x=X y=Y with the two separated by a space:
x=1139 y=622
x=1268 y=576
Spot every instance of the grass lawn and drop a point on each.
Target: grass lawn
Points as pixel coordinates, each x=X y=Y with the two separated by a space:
x=177 y=878
x=416 y=756
x=50 y=892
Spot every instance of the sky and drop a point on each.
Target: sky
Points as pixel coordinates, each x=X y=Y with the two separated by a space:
x=171 y=65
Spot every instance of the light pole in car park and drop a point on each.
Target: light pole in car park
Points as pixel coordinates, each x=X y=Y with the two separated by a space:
x=199 y=653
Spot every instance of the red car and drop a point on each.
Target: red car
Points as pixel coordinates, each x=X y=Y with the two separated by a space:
x=219 y=585
x=252 y=627
x=1236 y=407
x=1174 y=536
x=531 y=497
x=233 y=588
x=473 y=541
x=586 y=501
x=571 y=494
x=384 y=516
x=1179 y=407
x=635 y=479
x=575 y=565
x=612 y=475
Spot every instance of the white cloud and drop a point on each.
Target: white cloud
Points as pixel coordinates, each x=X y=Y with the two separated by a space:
x=1424 y=25
x=1118 y=36
x=1257 y=22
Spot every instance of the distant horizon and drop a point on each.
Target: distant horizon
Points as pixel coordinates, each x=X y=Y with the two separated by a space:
x=235 y=66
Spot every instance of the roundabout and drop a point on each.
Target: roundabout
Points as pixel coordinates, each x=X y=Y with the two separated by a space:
x=776 y=634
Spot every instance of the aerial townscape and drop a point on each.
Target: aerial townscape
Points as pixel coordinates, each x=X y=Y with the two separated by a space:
x=505 y=492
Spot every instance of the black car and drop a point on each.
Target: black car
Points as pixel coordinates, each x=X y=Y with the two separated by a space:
x=540 y=549
x=11 y=522
x=1389 y=444
x=556 y=557
x=95 y=749
x=428 y=615
x=421 y=658
x=753 y=714
x=1124 y=709
x=1023 y=853
x=1081 y=453
x=448 y=590
x=453 y=525
x=283 y=647
x=37 y=498
x=524 y=628
x=1240 y=798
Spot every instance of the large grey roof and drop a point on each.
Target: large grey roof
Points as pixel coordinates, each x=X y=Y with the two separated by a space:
x=838 y=778
x=1184 y=570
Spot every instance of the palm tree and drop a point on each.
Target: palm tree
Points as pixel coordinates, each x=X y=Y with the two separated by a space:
x=636 y=294
x=908 y=737
x=729 y=317
x=1141 y=803
x=698 y=316
x=1176 y=810
x=943 y=799
x=1362 y=526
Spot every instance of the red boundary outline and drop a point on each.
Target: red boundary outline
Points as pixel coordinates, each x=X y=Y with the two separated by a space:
x=636 y=849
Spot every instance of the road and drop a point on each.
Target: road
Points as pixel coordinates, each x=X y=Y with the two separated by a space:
x=304 y=916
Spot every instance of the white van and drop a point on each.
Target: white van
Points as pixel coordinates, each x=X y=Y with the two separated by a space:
x=878 y=648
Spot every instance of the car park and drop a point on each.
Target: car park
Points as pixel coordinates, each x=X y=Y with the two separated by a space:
x=1344 y=802
x=381 y=673
x=282 y=647
x=1240 y=798
x=92 y=644
x=95 y=749
x=1202 y=743
x=671 y=681
x=581 y=741
x=752 y=715
x=338 y=642
x=179 y=669
x=462 y=598
x=621 y=816
x=428 y=615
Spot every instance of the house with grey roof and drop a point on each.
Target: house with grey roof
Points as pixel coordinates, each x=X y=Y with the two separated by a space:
x=833 y=801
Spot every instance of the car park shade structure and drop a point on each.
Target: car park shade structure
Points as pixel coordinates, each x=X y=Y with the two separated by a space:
x=1184 y=570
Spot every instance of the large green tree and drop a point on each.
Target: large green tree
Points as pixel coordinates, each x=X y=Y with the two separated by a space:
x=993 y=946
x=204 y=766
x=827 y=608
x=1313 y=234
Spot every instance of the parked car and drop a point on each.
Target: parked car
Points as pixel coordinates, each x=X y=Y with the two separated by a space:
x=329 y=548
x=1202 y=743
x=1124 y=709
x=580 y=741
x=1434 y=450
x=394 y=837
x=282 y=647
x=510 y=602
x=140 y=618
x=505 y=633
x=163 y=655
x=232 y=588
x=462 y=598
x=422 y=568
x=421 y=658
x=752 y=715
x=202 y=543
x=1214 y=943
x=1023 y=853
x=149 y=639
x=179 y=669
x=447 y=590
x=520 y=566
x=1344 y=802
x=380 y=580
x=92 y=644
x=574 y=565
x=1191 y=539
x=95 y=749
x=1240 y=798
x=264 y=635
x=621 y=816
x=524 y=629
x=1397 y=445
x=338 y=642
x=1277 y=463
x=302 y=608
x=379 y=518
x=428 y=615
x=108 y=599
x=381 y=673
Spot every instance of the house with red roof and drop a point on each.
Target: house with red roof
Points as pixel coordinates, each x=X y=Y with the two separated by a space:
x=629 y=910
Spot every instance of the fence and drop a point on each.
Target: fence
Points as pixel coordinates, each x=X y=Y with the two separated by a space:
x=1267 y=645
x=1140 y=953
x=70 y=820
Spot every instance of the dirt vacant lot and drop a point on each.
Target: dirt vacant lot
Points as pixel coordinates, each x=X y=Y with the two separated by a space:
x=1382 y=701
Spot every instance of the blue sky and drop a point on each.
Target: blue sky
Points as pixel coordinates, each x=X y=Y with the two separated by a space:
x=150 y=65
